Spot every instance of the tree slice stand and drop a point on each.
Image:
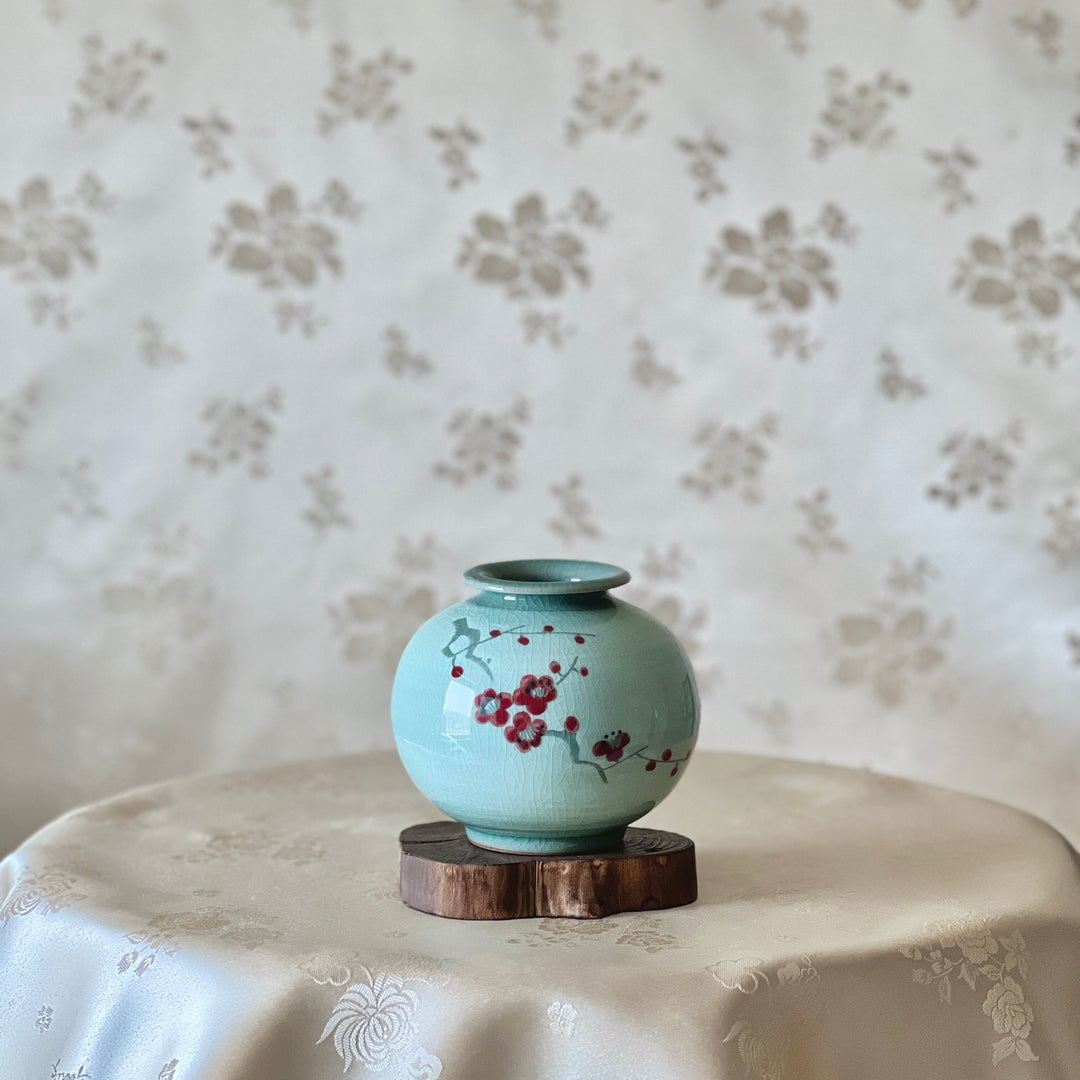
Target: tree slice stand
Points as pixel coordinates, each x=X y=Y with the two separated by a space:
x=442 y=873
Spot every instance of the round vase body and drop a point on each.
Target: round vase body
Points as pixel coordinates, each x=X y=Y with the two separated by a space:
x=544 y=714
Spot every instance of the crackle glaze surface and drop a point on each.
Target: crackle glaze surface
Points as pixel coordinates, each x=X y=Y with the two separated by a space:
x=545 y=722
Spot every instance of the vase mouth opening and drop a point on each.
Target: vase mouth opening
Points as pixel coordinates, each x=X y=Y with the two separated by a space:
x=546 y=577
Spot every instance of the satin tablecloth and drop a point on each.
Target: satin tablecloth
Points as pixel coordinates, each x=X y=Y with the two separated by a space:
x=247 y=927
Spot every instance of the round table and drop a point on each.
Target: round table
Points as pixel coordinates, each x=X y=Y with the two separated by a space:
x=246 y=926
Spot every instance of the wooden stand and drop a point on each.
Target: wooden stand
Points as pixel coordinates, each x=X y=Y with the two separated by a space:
x=443 y=874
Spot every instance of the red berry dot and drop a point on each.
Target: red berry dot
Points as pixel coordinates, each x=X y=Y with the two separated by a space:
x=457 y=671
x=579 y=639
x=572 y=724
x=584 y=671
x=548 y=629
x=666 y=755
x=523 y=640
x=649 y=766
x=495 y=633
x=675 y=770
x=555 y=667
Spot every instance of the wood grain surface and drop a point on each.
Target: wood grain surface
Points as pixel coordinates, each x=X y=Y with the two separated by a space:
x=442 y=873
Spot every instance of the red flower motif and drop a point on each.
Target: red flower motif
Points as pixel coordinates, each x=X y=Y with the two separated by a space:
x=584 y=671
x=579 y=639
x=650 y=766
x=493 y=706
x=523 y=640
x=457 y=671
x=548 y=629
x=526 y=731
x=494 y=633
x=555 y=667
x=611 y=747
x=535 y=694
x=572 y=724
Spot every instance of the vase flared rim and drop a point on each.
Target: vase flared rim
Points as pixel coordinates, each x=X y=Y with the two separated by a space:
x=546 y=577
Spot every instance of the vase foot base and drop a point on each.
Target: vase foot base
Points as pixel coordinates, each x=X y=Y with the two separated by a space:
x=610 y=840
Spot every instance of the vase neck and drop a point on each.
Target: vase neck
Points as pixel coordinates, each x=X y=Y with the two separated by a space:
x=591 y=601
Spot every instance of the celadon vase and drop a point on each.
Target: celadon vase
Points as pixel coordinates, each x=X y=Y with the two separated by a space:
x=543 y=713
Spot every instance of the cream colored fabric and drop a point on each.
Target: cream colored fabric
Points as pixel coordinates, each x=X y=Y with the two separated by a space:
x=307 y=305
x=248 y=925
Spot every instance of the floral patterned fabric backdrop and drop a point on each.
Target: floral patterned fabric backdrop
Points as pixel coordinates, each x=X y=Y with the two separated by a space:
x=306 y=306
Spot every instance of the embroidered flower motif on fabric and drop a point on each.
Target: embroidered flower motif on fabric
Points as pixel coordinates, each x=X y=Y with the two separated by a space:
x=154 y=350
x=684 y=616
x=46 y=891
x=705 y=156
x=969 y=952
x=163 y=607
x=793 y=23
x=534 y=254
x=44 y=241
x=545 y=12
x=114 y=84
x=610 y=101
x=855 y=114
x=80 y=502
x=325 y=970
x=777 y=269
x=1045 y=28
x=240 y=431
x=891 y=649
x=952 y=167
x=298 y=850
x=17 y=416
x=733 y=458
x=374 y=1023
x=793 y=1046
x=561 y=1018
x=286 y=245
x=161 y=935
x=1064 y=540
x=400 y=359
x=978 y=464
x=327 y=510
x=648 y=371
x=743 y=974
x=819 y=527
x=531 y=254
x=795 y=340
x=574 y=521
x=376 y=623
x=372 y=1020
x=486 y=446
x=362 y=91
x=457 y=143
x=644 y=932
x=569 y=932
x=210 y=134
x=1028 y=278
x=894 y=382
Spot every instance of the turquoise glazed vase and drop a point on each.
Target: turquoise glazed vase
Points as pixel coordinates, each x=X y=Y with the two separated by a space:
x=543 y=713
